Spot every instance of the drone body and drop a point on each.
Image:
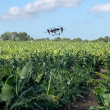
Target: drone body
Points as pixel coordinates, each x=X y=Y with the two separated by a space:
x=55 y=30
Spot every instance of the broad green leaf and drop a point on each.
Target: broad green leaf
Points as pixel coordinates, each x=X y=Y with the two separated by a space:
x=27 y=69
x=6 y=93
x=98 y=90
x=10 y=80
x=107 y=99
x=6 y=70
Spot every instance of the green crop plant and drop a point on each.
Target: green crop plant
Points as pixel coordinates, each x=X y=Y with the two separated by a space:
x=20 y=92
x=101 y=92
x=48 y=74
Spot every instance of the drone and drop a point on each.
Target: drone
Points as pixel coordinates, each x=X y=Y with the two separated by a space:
x=55 y=30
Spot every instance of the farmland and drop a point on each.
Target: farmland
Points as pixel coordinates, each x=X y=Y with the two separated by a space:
x=51 y=75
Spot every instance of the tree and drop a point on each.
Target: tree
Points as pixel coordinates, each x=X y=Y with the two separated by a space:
x=47 y=38
x=57 y=39
x=107 y=38
x=22 y=36
x=14 y=36
x=31 y=38
x=101 y=39
x=77 y=40
x=66 y=39
x=94 y=40
x=6 y=36
x=86 y=41
x=42 y=39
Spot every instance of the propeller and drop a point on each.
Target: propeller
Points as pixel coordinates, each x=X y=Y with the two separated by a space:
x=62 y=27
x=47 y=31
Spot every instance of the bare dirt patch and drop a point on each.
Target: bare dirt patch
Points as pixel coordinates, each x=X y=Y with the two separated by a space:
x=86 y=103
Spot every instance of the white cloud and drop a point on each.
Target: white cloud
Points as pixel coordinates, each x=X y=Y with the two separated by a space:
x=100 y=8
x=32 y=9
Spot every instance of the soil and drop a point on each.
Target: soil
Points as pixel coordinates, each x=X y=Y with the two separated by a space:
x=103 y=70
x=87 y=101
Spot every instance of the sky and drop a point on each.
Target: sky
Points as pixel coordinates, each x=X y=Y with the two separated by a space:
x=85 y=19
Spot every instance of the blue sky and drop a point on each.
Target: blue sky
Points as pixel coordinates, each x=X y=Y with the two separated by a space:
x=86 y=19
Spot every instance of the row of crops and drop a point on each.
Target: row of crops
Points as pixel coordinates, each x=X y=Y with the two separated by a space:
x=49 y=75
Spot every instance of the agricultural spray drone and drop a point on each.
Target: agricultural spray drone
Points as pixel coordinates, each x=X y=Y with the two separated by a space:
x=55 y=30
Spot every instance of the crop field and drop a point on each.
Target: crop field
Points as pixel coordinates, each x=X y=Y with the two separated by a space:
x=53 y=75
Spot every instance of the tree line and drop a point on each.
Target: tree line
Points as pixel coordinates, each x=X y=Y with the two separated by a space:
x=23 y=36
x=105 y=39
x=15 y=36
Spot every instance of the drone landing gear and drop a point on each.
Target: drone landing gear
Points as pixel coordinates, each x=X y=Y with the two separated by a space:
x=57 y=34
